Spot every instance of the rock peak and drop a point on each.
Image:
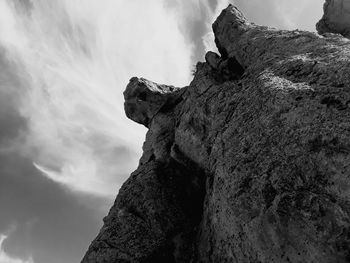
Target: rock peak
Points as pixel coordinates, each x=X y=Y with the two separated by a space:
x=336 y=18
x=228 y=27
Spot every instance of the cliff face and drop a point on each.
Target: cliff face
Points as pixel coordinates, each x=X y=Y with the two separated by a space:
x=249 y=163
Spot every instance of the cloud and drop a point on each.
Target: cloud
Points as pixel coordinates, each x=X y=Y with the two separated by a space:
x=5 y=258
x=195 y=18
x=75 y=60
x=53 y=224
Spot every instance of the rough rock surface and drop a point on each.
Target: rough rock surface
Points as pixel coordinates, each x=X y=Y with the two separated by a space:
x=250 y=163
x=336 y=18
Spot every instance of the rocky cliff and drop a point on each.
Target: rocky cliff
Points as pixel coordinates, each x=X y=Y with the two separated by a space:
x=249 y=163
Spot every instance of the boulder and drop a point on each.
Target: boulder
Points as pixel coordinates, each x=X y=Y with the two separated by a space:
x=336 y=18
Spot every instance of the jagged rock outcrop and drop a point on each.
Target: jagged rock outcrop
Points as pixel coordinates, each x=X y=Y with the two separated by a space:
x=249 y=163
x=336 y=18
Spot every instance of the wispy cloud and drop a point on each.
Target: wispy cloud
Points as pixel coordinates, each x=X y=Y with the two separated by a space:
x=75 y=61
x=195 y=18
x=5 y=258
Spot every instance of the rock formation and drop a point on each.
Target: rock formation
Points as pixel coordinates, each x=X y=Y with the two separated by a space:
x=249 y=163
x=336 y=18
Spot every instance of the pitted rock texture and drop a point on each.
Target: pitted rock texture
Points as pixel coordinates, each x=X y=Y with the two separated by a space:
x=336 y=18
x=249 y=163
x=144 y=99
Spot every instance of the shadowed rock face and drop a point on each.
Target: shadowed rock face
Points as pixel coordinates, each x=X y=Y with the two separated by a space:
x=336 y=18
x=249 y=163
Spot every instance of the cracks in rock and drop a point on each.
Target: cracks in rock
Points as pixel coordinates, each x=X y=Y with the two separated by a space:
x=133 y=211
x=224 y=69
x=190 y=178
x=333 y=102
x=196 y=181
x=330 y=146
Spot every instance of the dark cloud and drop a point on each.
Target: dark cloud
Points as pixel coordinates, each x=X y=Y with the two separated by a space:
x=51 y=223
x=48 y=222
x=11 y=121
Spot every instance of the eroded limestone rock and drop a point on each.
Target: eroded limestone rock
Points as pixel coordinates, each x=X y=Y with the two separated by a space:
x=250 y=168
x=144 y=99
x=336 y=18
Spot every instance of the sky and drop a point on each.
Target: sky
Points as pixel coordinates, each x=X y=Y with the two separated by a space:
x=66 y=146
